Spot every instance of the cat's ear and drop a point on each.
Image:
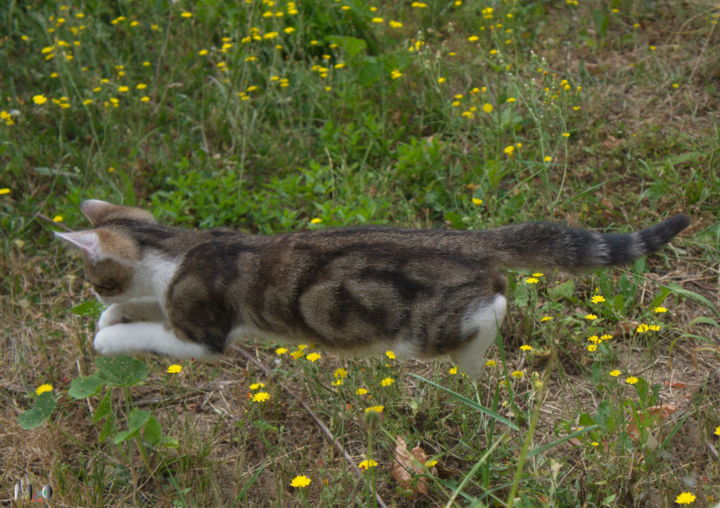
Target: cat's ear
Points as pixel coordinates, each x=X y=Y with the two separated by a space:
x=98 y=212
x=99 y=245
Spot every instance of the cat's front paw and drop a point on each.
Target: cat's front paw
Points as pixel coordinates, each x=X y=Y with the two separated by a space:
x=114 y=340
x=113 y=315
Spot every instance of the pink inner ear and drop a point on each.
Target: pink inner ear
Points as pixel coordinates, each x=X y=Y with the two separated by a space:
x=87 y=241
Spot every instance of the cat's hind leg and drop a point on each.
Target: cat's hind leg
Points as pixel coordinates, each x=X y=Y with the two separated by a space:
x=482 y=322
x=145 y=337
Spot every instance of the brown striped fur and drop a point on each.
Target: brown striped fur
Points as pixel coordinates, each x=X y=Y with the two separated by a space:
x=421 y=292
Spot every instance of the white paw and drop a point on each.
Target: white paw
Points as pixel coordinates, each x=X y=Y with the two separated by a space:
x=113 y=315
x=107 y=341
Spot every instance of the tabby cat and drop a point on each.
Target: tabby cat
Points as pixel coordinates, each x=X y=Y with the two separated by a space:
x=188 y=293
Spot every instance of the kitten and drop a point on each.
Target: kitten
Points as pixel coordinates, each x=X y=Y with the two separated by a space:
x=187 y=293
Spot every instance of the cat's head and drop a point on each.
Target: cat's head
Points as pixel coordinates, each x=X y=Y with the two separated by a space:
x=111 y=255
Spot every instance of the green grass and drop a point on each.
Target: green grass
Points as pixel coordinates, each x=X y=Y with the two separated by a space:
x=601 y=114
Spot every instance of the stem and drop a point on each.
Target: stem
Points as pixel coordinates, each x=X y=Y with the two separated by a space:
x=530 y=433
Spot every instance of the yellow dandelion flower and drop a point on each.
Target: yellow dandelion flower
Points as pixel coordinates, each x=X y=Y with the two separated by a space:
x=377 y=20
x=395 y=74
x=594 y=339
x=717 y=431
x=532 y=280
x=659 y=310
x=337 y=382
x=685 y=497
x=367 y=464
x=58 y=218
x=631 y=380
x=652 y=48
x=606 y=336
x=594 y=443
x=203 y=52
x=418 y=5
x=526 y=347
x=297 y=354
x=537 y=274
x=141 y=86
x=257 y=386
x=361 y=391
x=316 y=220
x=390 y=354
x=313 y=357
x=289 y=29
x=144 y=98
x=281 y=351
x=388 y=381
x=453 y=370
x=473 y=38
x=43 y=388
x=545 y=318
x=39 y=99
x=441 y=80
x=5 y=190
x=374 y=409
x=655 y=328
x=300 y=481
x=123 y=89
x=186 y=14
x=340 y=373
x=510 y=99
x=597 y=299
x=174 y=369
x=590 y=317
x=565 y=134
x=261 y=397
x=490 y=363
x=487 y=108
x=509 y=150
x=615 y=373
x=396 y=24
x=642 y=328
x=517 y=374
x=477 y=201
x=592 y=348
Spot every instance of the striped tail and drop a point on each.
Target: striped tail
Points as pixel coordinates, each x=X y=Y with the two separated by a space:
x=548 y=245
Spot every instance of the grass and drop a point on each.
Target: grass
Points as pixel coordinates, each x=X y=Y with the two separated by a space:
x=276 y=116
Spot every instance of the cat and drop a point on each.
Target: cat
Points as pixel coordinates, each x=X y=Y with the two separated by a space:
x=421 y=293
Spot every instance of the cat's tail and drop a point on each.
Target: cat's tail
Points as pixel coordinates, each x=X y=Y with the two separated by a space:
x=548 y=245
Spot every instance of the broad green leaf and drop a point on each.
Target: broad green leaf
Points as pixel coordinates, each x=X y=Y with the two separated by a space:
x=351 y=46
x=37 y=415
x=562 y=290
x=108 y=428
x=121 y=370
x=84 y=387
x=136 y=420
x=104 y=408
x=370 y=72
x=91 y=308
x=152 y=432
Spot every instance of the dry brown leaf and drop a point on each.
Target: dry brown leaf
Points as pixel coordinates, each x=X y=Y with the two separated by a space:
x=664 y=410
x=407 y=464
